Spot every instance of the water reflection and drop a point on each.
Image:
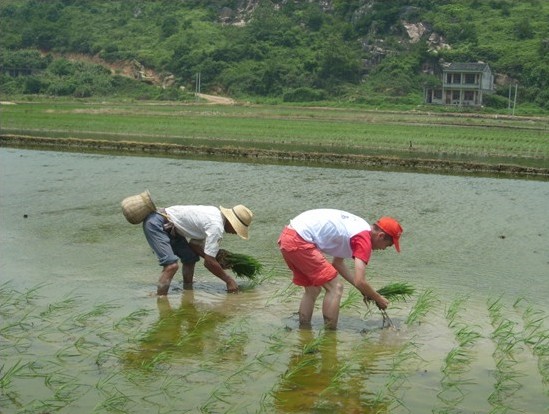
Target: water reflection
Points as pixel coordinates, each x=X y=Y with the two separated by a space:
x=182 y=332
x=319 y=379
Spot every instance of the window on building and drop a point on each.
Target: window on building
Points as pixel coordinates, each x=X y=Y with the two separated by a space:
x=457 y=78
x=470 y=78
x=469 y=96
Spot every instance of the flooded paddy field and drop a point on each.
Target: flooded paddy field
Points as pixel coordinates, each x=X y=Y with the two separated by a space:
x=80 y=330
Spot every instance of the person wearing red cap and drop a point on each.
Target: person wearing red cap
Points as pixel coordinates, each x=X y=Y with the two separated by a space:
x=316 y=233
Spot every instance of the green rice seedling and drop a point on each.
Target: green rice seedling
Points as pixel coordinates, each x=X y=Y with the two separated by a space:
x=98 y=310
x=466 y=336
x=406 y=355
x=453 y=310
x=47 y=406
x=105 y=382
x=277 y=341
x=215 y=396
x=84 y=346
x=379 y=400
x=115 y=402
x=134 y=319
x=506 y=341
x=534 y=331
x=313 y=346
x=108 y=354
x=12 y=329
x=401 y=364
x=537 y=338
x=59 y=380
x=456 y=360
x=238 y=337
x=32 y=293
x=505 y=337
x=338 y=382
x=69 y=392
x=57 y=307
x=241 y=264
x=424 y=303
x=394 y=292
x=258 y=280
x=456 y=363
x=397 y=375
x=8 y=374
x=284 y=294
x=352 y=300
x=494 y=308
x=397 y=291
x=297 y=369
x=66 y=352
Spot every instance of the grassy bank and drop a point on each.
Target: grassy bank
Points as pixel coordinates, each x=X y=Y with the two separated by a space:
x=410 y=140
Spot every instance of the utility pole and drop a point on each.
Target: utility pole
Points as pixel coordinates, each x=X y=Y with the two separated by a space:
x=515 y=100
x=197 y=85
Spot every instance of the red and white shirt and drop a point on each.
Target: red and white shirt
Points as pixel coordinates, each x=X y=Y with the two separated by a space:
x=335 y=232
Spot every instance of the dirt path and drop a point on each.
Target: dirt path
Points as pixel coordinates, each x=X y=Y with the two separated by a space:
x=220 y=100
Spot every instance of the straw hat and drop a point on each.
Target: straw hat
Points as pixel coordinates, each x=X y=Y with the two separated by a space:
x=240 y=218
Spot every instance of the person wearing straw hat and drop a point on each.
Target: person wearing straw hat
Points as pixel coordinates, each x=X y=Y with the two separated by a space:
x=190 y=232
x=314 y=233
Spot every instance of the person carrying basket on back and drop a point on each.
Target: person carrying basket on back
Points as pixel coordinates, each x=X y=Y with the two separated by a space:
x=188 y=232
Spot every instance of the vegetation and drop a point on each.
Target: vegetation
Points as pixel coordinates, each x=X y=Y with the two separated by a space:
x=397 y=291
x=345 y=51
x=242 y=265
x=106 y=357
x=354 y=136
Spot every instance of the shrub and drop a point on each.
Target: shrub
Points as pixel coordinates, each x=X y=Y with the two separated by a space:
x=304 y=95
x=496 y=101
x=33 y=85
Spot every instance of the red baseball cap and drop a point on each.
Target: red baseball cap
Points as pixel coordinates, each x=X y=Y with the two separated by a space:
x=391 y=227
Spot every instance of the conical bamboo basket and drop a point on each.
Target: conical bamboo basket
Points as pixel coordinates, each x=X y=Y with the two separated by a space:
x=136 y=208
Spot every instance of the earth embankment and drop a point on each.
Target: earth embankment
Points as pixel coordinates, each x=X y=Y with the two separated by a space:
x=351 y=160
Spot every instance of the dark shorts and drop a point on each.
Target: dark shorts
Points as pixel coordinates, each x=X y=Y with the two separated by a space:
x=167 y=248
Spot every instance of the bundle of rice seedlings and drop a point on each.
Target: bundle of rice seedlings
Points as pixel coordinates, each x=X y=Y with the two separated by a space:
x=397 y=291
x=241 y=264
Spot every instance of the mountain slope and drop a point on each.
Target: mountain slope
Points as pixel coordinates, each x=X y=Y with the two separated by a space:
x=357 y=50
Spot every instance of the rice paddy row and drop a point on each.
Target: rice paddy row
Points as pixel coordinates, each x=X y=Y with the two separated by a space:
x=264 y=131
x=69 y=353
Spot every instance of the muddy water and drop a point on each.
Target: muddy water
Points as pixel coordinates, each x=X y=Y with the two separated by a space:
x=82 y=332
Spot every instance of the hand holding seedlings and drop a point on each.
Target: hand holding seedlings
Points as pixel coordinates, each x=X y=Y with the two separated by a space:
x=395 y=292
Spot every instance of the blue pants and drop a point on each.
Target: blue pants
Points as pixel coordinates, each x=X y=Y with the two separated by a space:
x=167 y=248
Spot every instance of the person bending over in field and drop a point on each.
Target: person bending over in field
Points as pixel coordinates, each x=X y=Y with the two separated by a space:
x=191 y=232
x=337 y=233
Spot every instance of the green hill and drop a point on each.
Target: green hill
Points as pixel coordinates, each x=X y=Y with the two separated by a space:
x=356 y=51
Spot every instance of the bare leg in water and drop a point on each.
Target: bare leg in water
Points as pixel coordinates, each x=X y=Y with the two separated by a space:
x=307 y=305
x=188 y=274
x=332 y=300
x=165 y=279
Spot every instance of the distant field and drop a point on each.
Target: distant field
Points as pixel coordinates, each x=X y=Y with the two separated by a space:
x=290 y=131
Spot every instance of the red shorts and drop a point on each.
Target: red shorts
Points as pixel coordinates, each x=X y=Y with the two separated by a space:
x=305 y=260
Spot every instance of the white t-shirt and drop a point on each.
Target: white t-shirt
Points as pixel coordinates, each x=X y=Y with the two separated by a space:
x=330 y=230
x=204 y=224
